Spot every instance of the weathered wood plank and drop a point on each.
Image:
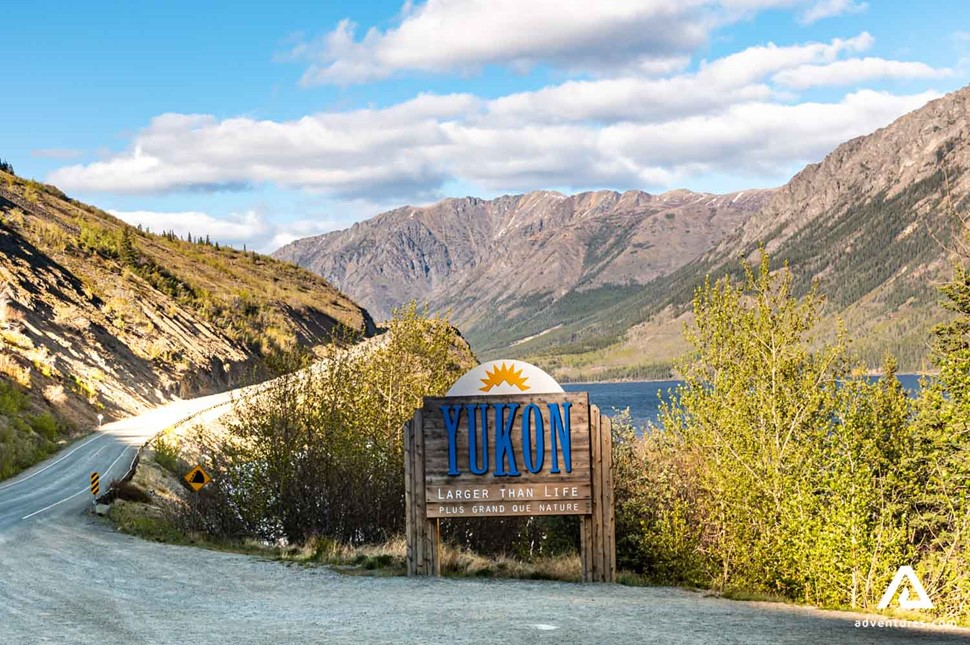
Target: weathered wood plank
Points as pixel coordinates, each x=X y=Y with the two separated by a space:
x=534 y=449
x=411 y=517
x=586 y=546
x=609 y=501
x=510 y=492
x=596 y=555
x=503 y=509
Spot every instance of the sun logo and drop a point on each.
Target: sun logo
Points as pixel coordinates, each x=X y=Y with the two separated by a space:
x=504 y=374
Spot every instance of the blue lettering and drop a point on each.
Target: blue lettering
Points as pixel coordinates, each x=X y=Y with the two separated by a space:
x=535 y=455
x=560 y=432
x=503 y=440
x=452 y=415
x=473 y=440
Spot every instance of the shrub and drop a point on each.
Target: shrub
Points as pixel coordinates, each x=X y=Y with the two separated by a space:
x=779 y=472
x=12 y=399
x=320 y=454
x=46 y=426
x=167 y=454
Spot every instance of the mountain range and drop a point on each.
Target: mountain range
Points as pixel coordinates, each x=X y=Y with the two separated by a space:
x=598 y=285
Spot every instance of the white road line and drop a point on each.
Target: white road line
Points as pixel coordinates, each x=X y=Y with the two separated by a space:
x=108 y=470
x=47 y=508
x=54 y=463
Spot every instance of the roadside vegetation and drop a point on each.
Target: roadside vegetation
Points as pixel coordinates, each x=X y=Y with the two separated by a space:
x=26 y=435
x=779 y=470
x=320 y=455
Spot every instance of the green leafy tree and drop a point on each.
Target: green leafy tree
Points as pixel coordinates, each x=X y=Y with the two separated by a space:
x=320 y=454
x=774 y=470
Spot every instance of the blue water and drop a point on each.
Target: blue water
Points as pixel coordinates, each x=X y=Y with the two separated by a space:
x=643 y=400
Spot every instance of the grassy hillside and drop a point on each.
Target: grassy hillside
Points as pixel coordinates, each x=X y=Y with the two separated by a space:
x=99 y=317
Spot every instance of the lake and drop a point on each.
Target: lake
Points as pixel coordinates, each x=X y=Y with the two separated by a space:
x=643 y=400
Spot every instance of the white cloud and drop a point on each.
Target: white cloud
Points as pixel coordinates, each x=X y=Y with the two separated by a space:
x=831 y=8
x=735 y=115
x=857 y=70
x=717 y=84
x=757 y=136
x=465 y=35
x=606 y=37
x=250 y=228
x=363 y=152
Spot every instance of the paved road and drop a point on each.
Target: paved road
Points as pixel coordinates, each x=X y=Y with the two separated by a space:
x=68 y=577
x=61 y=485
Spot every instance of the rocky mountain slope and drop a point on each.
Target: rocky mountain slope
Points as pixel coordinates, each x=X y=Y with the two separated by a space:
x=598 y=285
x=874 y=224
x=507 y=258
x=97 y=317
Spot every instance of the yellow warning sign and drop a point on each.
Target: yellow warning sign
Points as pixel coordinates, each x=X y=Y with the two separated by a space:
x=95 y=484
x=197 y=478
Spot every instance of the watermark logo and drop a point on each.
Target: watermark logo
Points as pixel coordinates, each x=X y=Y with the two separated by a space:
x=907 y=575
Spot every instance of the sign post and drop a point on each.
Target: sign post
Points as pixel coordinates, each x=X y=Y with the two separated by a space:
x=95 y=484
x=507 y=440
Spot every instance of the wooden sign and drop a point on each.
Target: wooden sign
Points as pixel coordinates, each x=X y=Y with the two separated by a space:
x=494 y=448
x=507 y=455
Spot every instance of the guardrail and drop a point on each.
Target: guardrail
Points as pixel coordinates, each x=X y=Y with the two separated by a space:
x=108 y=497
x=246 y=391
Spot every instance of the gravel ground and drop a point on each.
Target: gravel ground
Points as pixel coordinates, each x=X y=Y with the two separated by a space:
x=70 y=579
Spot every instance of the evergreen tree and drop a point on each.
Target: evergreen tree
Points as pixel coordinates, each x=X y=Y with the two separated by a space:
x=126 y=248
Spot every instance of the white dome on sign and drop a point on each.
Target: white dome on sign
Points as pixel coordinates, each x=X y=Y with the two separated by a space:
x=504 y=377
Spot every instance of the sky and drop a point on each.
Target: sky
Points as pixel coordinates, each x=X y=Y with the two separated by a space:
x=258 y=123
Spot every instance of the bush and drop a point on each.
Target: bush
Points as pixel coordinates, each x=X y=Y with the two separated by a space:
x=167 y=454
x=46 y=426
x=25 y=438
x=320 y=454
x=778 y=471
x=12 y=399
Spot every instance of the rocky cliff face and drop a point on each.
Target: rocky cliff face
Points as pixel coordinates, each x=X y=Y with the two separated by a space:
x=479 y=257
x=918 y=147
